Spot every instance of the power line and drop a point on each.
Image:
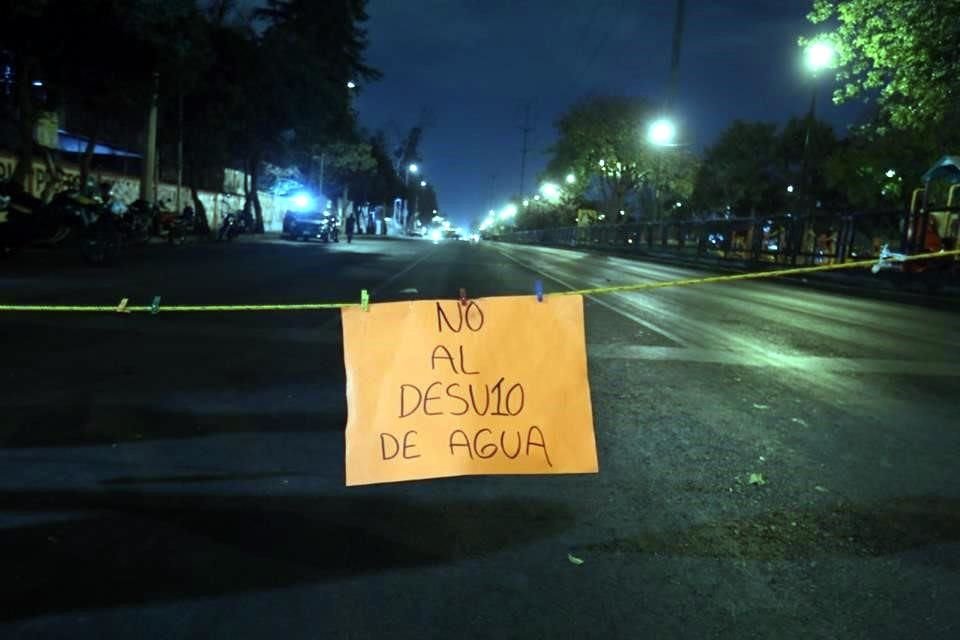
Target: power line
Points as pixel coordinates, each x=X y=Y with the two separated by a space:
x=604 y=39
x=675 y=55
x=523 y=154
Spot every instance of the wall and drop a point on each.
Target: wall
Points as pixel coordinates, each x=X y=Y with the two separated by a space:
x=127 y=189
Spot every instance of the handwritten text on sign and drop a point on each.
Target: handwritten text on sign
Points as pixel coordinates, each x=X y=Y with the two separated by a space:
x=439 y=388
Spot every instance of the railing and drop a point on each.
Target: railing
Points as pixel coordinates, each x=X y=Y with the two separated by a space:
x=782 y=239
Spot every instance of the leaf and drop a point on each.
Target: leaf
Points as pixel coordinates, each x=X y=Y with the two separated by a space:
x=760 y=406
x=574 y=559
x=757 y=479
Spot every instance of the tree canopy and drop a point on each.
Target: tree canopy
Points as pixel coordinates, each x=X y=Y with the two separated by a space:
x=601 y=145
x=269 y=88
x=904 y=52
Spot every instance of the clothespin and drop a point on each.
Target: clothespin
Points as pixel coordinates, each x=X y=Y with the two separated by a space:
x=886 y=260
x=364 y=300
x=155 y=306
x=122 y=307
x=463 y=296
x=538 y=289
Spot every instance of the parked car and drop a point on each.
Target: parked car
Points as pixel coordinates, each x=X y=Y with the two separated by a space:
x=306 y=226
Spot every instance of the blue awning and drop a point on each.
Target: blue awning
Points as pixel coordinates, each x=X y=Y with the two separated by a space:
x=71 y=143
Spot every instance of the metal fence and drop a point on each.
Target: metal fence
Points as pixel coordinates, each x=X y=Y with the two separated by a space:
x=782 y=239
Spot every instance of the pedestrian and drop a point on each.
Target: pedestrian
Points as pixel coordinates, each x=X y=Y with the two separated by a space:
x=351 y=223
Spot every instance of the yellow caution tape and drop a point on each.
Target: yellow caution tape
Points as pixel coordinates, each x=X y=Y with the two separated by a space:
x=186 y=308
x=753 y=275
x=222 y=308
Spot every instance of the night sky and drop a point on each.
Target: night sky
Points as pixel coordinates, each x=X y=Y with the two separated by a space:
x=467 y=68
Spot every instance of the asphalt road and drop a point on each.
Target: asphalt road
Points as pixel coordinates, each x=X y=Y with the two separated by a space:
x=182 y=475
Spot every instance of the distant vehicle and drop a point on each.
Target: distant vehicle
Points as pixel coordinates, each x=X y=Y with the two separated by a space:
x=312 y=224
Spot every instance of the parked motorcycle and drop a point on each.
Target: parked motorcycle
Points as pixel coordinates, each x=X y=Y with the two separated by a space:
x=330 y=229
x=175 y=227
x=15 y=218
x=90 y=220
x=136 y=221
x=233 y=225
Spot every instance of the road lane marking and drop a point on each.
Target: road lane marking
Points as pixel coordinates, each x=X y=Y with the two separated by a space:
x=821 y=364
x=622 y=312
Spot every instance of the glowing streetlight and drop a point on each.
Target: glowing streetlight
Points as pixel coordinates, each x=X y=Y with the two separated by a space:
x=423 y=183
x=536 y=197
x=661 y=132
x=351 y=84
x=508 y=212
x=526 y=202
x=891 y=173
x=819 y=55
x=571 y=178
x=550 y=191
x=413 y=168
x=789 y=188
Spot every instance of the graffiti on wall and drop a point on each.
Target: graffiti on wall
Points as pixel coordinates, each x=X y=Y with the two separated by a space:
x=127 y=189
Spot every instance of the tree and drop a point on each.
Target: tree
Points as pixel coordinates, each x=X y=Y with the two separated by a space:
x=297 y=91
x=22 y=31
x=426 y=203
x=600 y=142
x=905 y=52
x=348 y=162
x=741 y=171
x=873 y=171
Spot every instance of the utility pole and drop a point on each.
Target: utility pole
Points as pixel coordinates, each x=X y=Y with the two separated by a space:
x=323 y=162
x=523 y=154
x=179 y=143
x=147 y=191
x=675 y=56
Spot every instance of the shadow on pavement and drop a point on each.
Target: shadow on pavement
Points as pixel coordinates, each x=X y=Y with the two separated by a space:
x=868 y=530
x=137 y=548
x=85 y=424
x=196 y=477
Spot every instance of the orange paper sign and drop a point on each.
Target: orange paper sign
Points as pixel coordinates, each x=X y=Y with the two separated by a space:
x=439 y=388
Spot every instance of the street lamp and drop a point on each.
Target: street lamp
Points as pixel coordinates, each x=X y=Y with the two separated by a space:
x=351 y=84
x=571 y=178
x=818 y=55
x=423 y=183
x=550 y=191
x=662 y=132
x=411 y=168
